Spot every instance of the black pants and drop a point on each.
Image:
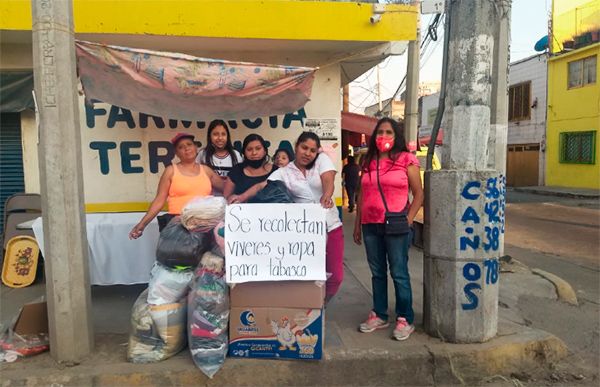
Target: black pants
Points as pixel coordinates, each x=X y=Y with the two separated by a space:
x=351 y=191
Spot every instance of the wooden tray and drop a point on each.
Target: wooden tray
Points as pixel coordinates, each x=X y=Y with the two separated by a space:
x=20 y=261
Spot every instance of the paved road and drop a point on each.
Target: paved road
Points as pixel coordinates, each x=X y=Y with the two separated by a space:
x=569 y=228
x=561 y=236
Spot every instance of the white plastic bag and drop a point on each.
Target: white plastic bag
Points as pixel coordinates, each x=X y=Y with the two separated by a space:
x=157 y=331
x=208 y=315
x=168 y=286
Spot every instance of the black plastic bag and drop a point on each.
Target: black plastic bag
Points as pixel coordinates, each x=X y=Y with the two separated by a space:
x=274 y=192
x=179 y=247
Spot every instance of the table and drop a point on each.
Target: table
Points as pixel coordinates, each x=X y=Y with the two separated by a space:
x=113 y=258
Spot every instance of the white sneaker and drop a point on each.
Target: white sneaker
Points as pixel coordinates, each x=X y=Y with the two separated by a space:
x=403 y=329
x=372 y=323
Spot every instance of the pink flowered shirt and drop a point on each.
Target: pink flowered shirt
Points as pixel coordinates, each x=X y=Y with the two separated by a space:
x=394 y=183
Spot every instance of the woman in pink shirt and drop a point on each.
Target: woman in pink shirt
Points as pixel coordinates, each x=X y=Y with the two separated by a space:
x=397 y=170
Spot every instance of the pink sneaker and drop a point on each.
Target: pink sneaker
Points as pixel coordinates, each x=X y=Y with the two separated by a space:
x=372 y=323
x=403 y=329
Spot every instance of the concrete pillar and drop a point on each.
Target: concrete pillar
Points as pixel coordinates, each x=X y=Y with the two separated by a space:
x=499 y=114
x=66 y=248
x=411 y=106
x=464 y=220
x=463 y=235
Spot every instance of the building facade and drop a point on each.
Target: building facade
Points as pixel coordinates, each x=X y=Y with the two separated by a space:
x=572 y=138
x=527 y=121
x=393 y=109
x=295 y=33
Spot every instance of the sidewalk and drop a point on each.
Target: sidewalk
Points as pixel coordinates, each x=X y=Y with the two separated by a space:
x=351 y=358
x=580 y=193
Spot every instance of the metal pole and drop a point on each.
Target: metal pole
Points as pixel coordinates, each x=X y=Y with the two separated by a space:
x=61 y=178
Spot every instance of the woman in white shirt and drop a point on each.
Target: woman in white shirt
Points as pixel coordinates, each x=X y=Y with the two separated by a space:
x=310 y=178
x=219 y=153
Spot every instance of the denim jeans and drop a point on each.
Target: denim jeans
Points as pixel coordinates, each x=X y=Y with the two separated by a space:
x=381 y=250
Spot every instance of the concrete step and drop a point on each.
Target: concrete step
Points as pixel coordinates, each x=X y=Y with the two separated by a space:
x=425 y=361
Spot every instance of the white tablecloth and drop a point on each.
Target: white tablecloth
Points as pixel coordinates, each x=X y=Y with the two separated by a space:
x=114 y=259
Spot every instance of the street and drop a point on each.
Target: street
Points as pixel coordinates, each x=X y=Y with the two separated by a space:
x=561 y=236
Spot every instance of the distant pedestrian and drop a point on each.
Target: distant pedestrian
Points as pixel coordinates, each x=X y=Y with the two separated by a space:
x=389 y=173
x=350 y=175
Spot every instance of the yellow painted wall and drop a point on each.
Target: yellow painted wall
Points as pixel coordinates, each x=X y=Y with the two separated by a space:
x=257 y=19
x=571 y=18
x=576 y=109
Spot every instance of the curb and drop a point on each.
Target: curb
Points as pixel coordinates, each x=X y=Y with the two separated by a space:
x=563 y=289
x=557 y=193
x=430 y=364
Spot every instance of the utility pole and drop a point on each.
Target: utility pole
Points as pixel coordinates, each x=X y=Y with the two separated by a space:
x=464 y=218
x=346 y=98
x=65 y=241
x=379 y=92
x=411 y=103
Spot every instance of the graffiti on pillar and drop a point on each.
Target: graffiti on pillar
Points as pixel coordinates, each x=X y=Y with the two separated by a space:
x=494 y=209
x=472 y=273
x=483 y=222
x=495 y=204
x=491 y=270
x=471 y=192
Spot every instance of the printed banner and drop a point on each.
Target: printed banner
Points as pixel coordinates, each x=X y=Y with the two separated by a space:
x=185 y=87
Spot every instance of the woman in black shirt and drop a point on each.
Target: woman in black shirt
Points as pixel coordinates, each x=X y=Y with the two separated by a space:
x=246 y=179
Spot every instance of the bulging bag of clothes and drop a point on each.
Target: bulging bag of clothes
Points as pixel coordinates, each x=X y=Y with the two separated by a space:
x=179 y=247
x=168 y=285
x=202 y=214
x=208 y=315
x=157 y=331
x=274 y=192
x=219 y=237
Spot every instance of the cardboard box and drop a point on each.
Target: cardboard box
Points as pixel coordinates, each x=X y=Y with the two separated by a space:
x=277 y=320
x=32 y=320
x=276 y=333
x=282 y=294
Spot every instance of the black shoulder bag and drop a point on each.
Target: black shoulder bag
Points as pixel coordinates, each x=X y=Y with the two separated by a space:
x=395 y=223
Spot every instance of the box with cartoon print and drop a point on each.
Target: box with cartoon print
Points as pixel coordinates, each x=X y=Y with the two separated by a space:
x=281 y=320
x=280 y=333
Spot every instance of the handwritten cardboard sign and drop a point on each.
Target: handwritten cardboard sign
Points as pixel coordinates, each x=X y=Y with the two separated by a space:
x=275 y=242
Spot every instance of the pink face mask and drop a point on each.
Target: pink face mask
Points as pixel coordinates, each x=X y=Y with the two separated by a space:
x=384 y=143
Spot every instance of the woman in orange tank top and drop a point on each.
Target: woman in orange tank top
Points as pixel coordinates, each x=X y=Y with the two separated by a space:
x=180 y=182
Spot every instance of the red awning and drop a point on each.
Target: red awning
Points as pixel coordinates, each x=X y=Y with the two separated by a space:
x=358 y=123
x=425 y=140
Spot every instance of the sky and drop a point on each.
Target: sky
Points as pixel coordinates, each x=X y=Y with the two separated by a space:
x=529 y=23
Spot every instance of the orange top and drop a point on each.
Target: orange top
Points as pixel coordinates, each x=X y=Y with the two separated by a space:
x=184 y=188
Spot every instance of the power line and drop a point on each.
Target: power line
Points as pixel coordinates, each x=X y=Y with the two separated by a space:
x=433 y=26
